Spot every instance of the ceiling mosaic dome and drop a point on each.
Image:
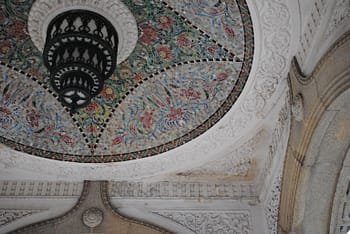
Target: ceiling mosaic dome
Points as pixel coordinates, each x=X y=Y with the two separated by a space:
x=189 y=65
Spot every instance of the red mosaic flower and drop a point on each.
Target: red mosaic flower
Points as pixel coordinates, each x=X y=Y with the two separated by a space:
x=164 y=52
x=33 y=118
x=91 y=129
x=148 y=34
x=119 y=139
x=183 y=41
x=108 y=93
x=34 y=72
x=212 y=49
x=137 y=77
x=175 y=113
x=165 y=22
x=190 y=93
x=228 y=30
x=92 y=107
x=66 y=139
x=147 y=120
x=5 y=111
x=5 y=48
x=221 y=76
x=132 y=129
x=17 y=29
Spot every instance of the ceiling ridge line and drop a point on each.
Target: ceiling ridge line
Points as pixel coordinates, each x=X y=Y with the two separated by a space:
x=53 y=94
x=133 y=88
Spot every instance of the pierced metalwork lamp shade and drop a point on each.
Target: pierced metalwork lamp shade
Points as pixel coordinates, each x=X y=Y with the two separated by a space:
x=80 y=52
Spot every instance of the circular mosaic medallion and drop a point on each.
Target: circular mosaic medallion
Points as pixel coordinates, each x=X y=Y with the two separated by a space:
x=179 y=73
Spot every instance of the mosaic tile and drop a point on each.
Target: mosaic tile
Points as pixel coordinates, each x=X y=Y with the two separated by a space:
x=164 y=39
x=220 y=19
x=32 y=117
x=168 y=106
x=167 y=39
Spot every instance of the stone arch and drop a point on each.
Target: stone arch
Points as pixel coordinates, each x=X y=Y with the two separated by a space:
x=318 y=142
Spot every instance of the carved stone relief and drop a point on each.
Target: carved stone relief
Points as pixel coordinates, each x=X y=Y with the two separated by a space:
x=211 y=221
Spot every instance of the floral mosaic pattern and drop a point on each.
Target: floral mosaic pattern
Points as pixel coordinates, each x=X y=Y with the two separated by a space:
x=168 y=41
x=220 y=19
x=32 y=117
x=16 y=47
x=165 y=39
x=169 y=106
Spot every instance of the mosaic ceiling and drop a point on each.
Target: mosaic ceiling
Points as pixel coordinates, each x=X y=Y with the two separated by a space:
x=188 y=68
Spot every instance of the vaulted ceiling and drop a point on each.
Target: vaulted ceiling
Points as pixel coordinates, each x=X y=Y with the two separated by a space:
x=198 y=110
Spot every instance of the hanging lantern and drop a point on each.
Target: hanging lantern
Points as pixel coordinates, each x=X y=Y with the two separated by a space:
x=80 y=52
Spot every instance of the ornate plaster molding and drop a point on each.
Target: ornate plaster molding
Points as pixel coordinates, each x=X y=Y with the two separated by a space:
x=211 y=221
x=274 y=58
x=10 y=215
x=42 y=12
x=271 y=205
x=313 y=21
x=40 y=189
x=277 y=144
x=340 y=15
x=183 y=190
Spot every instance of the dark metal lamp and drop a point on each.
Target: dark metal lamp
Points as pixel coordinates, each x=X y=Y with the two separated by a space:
x=80 y=52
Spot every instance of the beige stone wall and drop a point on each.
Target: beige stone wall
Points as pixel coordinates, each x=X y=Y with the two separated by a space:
x=329 y=80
